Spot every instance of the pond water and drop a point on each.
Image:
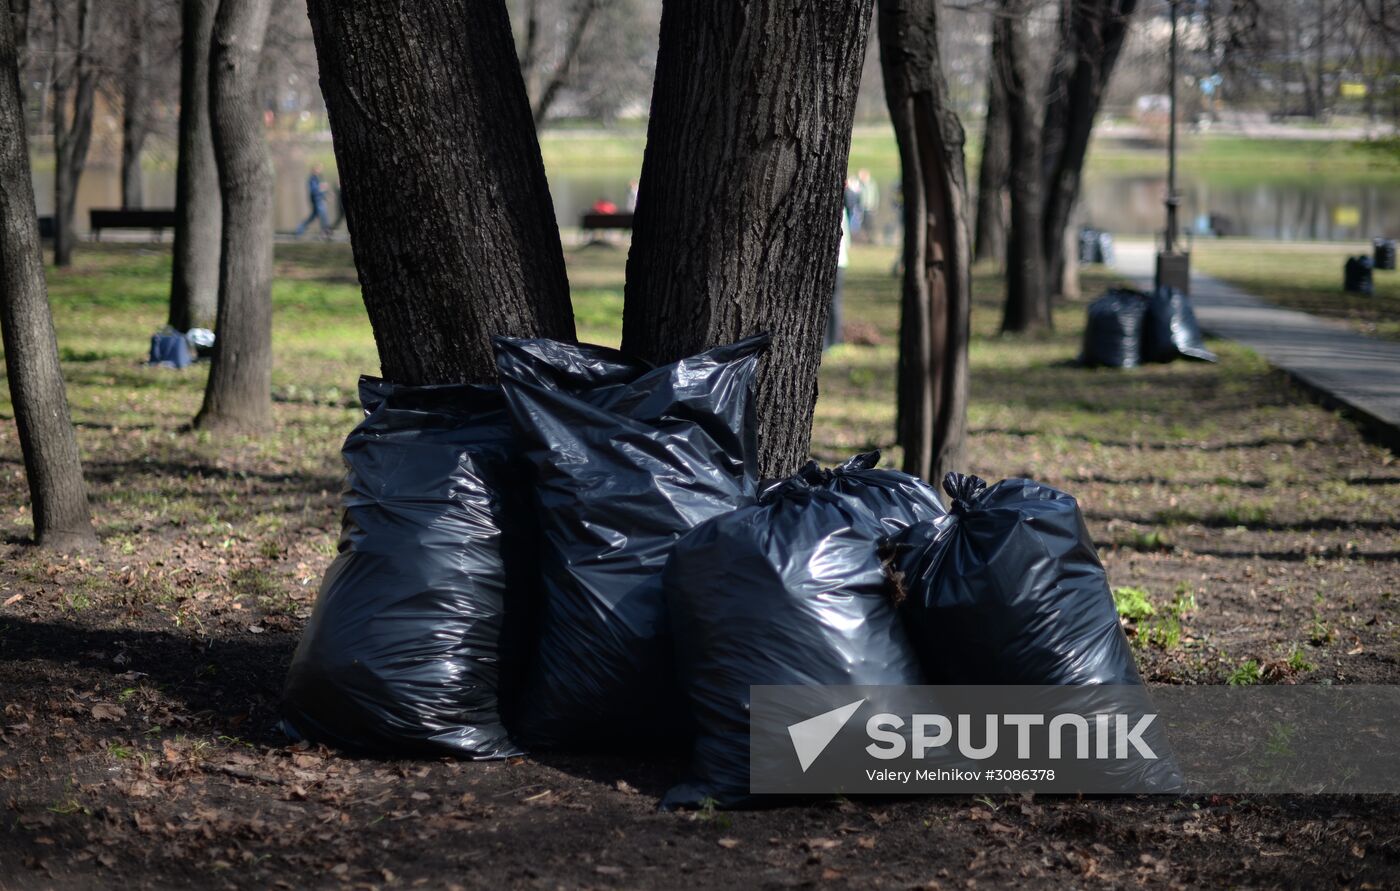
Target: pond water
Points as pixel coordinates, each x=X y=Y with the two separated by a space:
x=1288 y=210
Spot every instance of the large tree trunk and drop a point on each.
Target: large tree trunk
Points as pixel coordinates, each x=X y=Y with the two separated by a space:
x=990 y=240
x=1027 y=297
x=935 y=304
x=194 y=279
x=135 y=115
x=239 y=392
x=71 y=137
x=46 y=436
x=444 y=188
x=738 y=224
x=1092 y=36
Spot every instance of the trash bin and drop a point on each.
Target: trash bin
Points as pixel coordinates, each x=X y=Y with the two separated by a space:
x=1384 y=253
x=1356 y=275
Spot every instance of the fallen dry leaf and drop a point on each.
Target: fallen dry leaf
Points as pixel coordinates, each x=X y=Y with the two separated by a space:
x=13 y=599
x=105 y=711
x=728 y=843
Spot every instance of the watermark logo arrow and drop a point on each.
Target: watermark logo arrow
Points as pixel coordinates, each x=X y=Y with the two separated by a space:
x=811 y=737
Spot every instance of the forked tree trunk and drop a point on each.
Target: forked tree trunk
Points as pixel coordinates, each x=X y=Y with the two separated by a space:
x=1092 y=36
x=46 y=438
x=990 y=240
x=738 y=224
x=444 y=188
x=71 y=136
x=135 y=115
x=1027 y=297
x=935 y=301
x=194 y=279
x=238 y=395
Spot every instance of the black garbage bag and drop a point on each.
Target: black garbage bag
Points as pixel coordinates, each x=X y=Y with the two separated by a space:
x=896 y=499
x=1170 y=329
x=1008 y=589
x=1357 y=277
x=787 y=591
x=1113 y=330
x=402 y=655
x=626 y=458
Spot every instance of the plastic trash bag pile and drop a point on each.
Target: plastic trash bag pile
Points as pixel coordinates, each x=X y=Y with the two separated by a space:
x=583 y=557
x=1126 y=328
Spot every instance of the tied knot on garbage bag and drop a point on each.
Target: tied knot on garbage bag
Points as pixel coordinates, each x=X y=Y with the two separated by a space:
x=964 y=489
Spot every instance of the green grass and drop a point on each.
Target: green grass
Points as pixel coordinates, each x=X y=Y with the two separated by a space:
x=1307 y=277
x=1167 y=462
x=1212 y=157
x=1031 y=413
x=1132 y=603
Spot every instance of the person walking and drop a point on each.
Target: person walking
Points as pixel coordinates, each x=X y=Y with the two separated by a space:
x=869 y=203
x=316 y=189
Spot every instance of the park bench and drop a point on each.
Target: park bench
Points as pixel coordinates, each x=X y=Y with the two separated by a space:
x=594 y=222
x=155 y=219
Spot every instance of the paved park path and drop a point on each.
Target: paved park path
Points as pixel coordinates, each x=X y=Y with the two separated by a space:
x=1352 y=370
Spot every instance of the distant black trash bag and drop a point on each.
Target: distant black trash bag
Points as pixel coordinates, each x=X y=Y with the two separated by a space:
x=1383 y=253
x=1356 y=276
x=1170 y=329
x=402 y=653
x=1008 y=589
x=627 y=458
x=787 y=591
x=1113 y=331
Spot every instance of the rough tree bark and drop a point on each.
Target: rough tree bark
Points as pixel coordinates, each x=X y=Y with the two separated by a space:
x=238 y=395
x=194 y=279
x=935 y=303
x=989 y=242
x=738 y=225
x=46 y=437
x=444 y=188
x=1027 y=297
x=71 y=137
x=1092 y=36
x=135 y=114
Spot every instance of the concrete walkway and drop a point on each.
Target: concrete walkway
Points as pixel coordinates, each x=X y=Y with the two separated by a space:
x=1350 y=370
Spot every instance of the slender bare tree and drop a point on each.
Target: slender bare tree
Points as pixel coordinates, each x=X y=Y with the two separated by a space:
x=75 y=69
x=238 y=395
x=989 y=242
x=194 y=277
x=936 y=297
x=1027 y=297
x=57 y=495
x=136 y=112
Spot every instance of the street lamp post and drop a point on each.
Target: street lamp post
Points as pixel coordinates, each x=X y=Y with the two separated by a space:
x=1173 y=267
